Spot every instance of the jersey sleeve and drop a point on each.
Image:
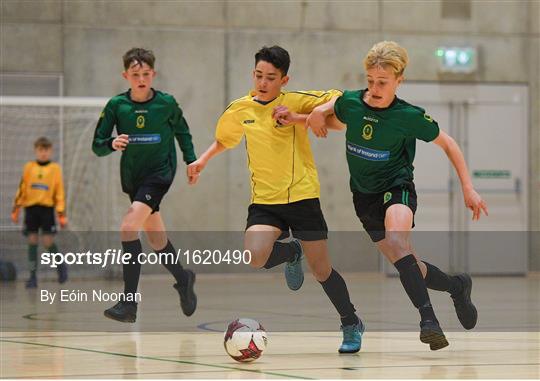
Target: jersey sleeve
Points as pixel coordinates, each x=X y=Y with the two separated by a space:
x=182 y=134
x=229 y=131
x=342 y=107
x=20 y=195
x=102 y=142
x=306 y=101
x=59 y=194
x=422 y=126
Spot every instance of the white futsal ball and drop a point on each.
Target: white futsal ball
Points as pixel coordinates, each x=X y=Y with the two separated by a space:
x=245 y=340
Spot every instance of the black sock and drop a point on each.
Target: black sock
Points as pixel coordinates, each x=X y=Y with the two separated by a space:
x=438 y=280
x=415 y=286
x=336 y=289
x=132 y=270
x=175 y=269
x=281 y=252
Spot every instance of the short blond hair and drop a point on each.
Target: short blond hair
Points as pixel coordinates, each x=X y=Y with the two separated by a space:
x=387 y=54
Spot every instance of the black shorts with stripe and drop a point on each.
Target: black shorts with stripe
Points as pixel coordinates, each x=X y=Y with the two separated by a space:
x=371 y=207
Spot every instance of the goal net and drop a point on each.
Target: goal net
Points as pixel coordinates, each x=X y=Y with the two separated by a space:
x=92 y=186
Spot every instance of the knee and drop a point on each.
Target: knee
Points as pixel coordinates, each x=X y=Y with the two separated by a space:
x=128 y=226
x=259 y=257
x=47 y=242
x=33 y=239
x=321 y=272
x=397 y=244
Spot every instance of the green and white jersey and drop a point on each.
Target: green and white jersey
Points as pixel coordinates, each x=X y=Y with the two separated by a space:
x=381 y=143
x=152 y=127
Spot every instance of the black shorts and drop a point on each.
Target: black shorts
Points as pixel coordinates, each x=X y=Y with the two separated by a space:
x=371 y=207
x=38 y=217
x=304 y=218
x=150 y=192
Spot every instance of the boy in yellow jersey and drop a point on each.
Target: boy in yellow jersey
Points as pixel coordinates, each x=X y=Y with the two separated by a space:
x=284 y=184
x=40 y=192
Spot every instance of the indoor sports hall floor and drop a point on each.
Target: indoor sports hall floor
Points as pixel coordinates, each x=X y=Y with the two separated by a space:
x=74 y=340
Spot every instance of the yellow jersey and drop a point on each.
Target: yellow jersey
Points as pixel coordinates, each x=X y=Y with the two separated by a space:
x=41 y=184
x=279 y=157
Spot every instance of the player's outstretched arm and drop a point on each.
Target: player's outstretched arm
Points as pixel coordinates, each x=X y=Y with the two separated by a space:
x=194 y=169
x=333 y=123
x=472 y=199
x=322 y=118
x=286 y=117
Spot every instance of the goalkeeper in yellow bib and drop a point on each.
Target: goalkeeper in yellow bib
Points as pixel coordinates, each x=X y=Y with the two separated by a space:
x=40 y=193
x=284 y=184
x=147 y=122
x=381 y=133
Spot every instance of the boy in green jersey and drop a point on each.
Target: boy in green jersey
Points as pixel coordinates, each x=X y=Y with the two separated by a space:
x=147 y=122
x=381 y=133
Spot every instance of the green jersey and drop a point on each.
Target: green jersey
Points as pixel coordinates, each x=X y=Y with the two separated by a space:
x=152 y=127
x=381 y=143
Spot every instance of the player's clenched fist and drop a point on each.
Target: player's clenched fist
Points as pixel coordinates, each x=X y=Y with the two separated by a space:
x=194 y=170
x=15 y=214
x=62 y=220
x=120 y=142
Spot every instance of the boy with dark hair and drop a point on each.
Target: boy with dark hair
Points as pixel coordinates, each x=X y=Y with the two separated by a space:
x=284 y=184
x=147 y=122
x=40 y=192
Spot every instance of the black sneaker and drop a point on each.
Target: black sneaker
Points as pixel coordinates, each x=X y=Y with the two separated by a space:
x=432 y=334
x=125 y=312
x=188 y=299
x=465 y=309
x=62 y=272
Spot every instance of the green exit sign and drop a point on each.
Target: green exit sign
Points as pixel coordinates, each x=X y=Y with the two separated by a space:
x=457 y=59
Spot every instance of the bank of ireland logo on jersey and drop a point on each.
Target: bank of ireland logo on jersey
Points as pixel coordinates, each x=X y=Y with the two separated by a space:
x=140 y=121
x=367 y=132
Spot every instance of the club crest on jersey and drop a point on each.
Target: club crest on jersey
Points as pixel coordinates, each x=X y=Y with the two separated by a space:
x=367 y=132
x=140 y=121
x=387 y=197
x=428 y=117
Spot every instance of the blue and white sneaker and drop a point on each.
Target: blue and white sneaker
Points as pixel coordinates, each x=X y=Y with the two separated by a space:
x=294 y=275
x=352 y=338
